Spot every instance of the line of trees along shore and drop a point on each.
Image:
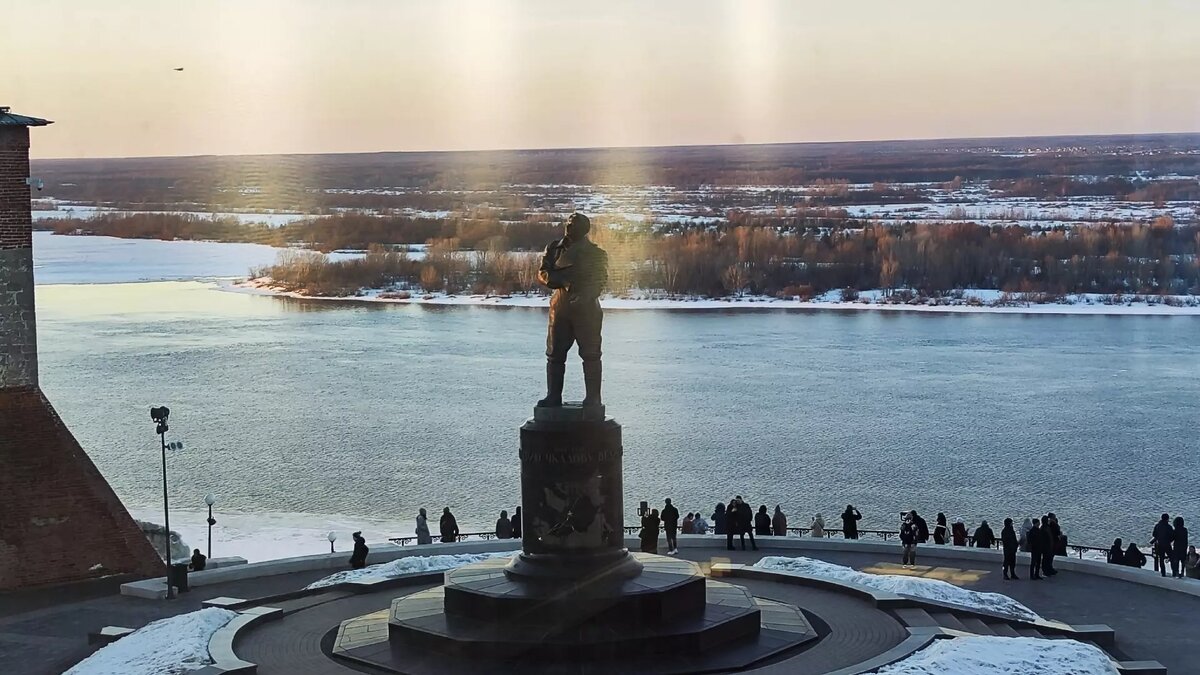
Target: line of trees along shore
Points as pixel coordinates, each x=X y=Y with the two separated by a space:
x=930 y=259
x=761 y=254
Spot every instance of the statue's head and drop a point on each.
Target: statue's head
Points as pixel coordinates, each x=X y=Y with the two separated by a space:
x=578 y=226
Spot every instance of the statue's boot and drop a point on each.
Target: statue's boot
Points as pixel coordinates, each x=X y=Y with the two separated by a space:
x=554 y=385
x=591 y=382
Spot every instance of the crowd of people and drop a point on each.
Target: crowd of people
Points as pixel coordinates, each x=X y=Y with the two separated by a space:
x=1040 y=536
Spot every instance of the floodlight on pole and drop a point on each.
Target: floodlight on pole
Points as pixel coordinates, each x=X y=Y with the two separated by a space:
x=332 y=537
x=159 y=416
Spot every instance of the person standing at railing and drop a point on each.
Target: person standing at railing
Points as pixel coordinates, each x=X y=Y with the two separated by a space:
x=850 y=518
x=941 y=533
x=720 y=522
x=670 y=523
x=909 y=534
x=959 y=533
x=423 y=535
x=1048 y=544
x=1008 y=541
x=818 y=526
x=1134 y=557
x=762 y=522
x=983 y=536
x=1179 y=546
x=1024 y=539
x=516 y=523
x=1116 y=554
x=1034 y=541
x=504 y=526
x=779 y=522
x=358 y=559
x=649 y=533
x=448 y=526
x=1191 y=564
x=1160 y=545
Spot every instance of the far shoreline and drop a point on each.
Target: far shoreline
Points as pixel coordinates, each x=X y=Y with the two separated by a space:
x=744 y=303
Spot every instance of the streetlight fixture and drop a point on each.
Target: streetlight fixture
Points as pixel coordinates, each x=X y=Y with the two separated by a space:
x=210 y=499
x=159 y=416
x=332 y=537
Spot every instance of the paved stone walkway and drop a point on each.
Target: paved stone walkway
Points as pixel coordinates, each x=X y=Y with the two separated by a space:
x=46 y=632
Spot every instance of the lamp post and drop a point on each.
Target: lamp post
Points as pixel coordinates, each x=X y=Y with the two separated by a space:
x=210 y=499
x=332 y=537
x=159 y=417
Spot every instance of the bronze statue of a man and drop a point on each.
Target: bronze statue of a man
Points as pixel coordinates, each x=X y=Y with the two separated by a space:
x=577 y=270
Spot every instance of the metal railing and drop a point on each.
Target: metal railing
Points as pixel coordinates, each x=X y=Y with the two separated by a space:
x=633 y=530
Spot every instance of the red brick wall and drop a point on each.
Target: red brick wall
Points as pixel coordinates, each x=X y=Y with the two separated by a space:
x=16 y=229
x=59 y=518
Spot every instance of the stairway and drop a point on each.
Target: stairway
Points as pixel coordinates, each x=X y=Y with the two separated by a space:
x=954 y=622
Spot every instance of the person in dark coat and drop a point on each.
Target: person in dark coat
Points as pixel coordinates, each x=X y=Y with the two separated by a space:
x=1134 y=557
x=762 y=522
x=1035 y=542
x=720 y=522
x=850 y=518
x=922 y=527
x=670 y=523
x=941 y=532
x=516 y=523
x=199 y=560
x=983 y=536
x=650 y=525
x=745 y=522
x=1161 y=544
x=449 y=527
x=779 y=523
x=910 y=534
x=1179 y=545
x=1010 y=544
x=1047 y=548
x=959 y=533
x=1116 y=554
x=358 y=559
x=1060 y=539
x=504 y=526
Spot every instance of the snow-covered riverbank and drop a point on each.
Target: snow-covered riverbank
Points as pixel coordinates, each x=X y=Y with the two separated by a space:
x=972 y=301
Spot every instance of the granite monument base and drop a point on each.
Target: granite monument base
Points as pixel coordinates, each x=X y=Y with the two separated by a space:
x=575 y=600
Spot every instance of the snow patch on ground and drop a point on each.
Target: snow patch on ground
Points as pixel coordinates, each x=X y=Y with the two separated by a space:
x=987 y=655
x=409 y=565
x=170 y=646
x=931 y=589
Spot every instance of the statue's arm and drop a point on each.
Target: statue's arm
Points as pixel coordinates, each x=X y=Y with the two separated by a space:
x=549 y=275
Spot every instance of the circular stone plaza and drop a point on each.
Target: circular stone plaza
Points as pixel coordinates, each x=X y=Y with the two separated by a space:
x=761 y=619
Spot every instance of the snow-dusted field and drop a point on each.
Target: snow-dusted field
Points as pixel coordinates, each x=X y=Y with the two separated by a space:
x=1091 y=304
x=170 y=646
x=409 y=565
x=989 y=655
x=931 y=589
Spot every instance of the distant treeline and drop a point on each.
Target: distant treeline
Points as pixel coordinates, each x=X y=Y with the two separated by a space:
x=932 y=259
x=302 y=181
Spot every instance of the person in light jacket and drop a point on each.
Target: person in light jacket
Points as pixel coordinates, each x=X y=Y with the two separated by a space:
x=423 y=536
x=818 y=526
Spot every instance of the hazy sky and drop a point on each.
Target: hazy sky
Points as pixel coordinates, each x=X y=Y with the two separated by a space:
x=365 y=75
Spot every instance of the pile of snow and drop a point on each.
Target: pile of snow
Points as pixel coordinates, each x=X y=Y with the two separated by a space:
x=170 y=646
x=930 y=589
x=409 y=565
x=1005 y=656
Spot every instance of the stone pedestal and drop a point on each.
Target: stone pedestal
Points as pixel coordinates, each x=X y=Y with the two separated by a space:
x=574 y=599
x=572 y=498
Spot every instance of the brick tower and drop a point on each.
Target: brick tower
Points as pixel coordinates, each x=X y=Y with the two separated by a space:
x=59 y=519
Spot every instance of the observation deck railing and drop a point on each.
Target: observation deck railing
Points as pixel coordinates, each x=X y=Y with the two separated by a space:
x=632 y=530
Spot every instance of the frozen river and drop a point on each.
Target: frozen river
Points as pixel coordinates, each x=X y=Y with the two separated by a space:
x=307 y=416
